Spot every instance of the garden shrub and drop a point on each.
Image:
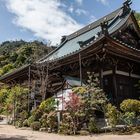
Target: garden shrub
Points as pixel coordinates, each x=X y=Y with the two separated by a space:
x=92 y=127
x=83 y=132
x=30 y=120
x=81 y=106
x=23 y=115
x=36 y=125
x=112 y=115
x=25 y=123
x=48 y=105
x=52 y=121
x=66 y=126
x=128 y=118
x=43 y=120
x=19 y=123
x=130 y=105
x=37 y=114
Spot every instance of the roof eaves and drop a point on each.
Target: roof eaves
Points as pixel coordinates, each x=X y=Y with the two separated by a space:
x=14 y=72
x=127 y=45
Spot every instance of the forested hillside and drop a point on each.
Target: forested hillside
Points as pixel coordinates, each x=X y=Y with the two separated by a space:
x=137 y=15
x=14 y=54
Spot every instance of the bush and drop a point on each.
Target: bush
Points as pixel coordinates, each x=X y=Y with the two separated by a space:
x=48 y=105
x=128 y=118
x=92 y=126
x=83 y=132
x=52 y=121
x=66 y=126
x=36 y=125
x=43 y=120
x=19 y=123
x=24 y=115
x=30 y=120
x=25 y=123
x=130 y=106
x=112 y=115
x=37 y=114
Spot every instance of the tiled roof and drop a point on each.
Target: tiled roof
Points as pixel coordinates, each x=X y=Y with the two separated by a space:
x=70 y=45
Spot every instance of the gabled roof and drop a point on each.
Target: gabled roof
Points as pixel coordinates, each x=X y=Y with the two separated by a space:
x=91 y=32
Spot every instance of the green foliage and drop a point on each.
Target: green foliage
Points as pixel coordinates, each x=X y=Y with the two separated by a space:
x=36 y=125
x=4 y=93
x=15 y=54
x=83 y=132
x=30 y=120
x=92 y=127
x=19 y=123
x=43 y=120
x=113 y=115
x=128 y=118
x=48 y=105
x=66 y=126
x=52 y=121
x=130 y=105
x=45 y=113
x=15 y=100
x=137 y=15
x=23 y=115
x=37 y=114
x=6 y=68
x=25 y=123
x=80 y=109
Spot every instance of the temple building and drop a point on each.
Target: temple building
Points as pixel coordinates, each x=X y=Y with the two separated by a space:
x=109 y=47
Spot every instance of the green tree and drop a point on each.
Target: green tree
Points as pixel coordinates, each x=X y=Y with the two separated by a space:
x=17 y=102
x=82 y=104
x=4 y=93
x=137 y=15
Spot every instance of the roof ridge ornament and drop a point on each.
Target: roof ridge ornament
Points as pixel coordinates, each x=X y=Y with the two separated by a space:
x=64 y=37
x=126 y=7
x=104 y=27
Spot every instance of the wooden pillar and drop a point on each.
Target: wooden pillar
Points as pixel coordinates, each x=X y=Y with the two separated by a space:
x=130 y=82
x=29 y=86
x=14 y=104
x=115 y=84
x=80 y=68
x=101 y=74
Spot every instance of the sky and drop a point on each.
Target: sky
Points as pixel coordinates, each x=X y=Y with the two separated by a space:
x=49 y=20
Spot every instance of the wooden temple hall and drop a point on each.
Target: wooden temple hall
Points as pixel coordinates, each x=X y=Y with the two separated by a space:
x=109 y=47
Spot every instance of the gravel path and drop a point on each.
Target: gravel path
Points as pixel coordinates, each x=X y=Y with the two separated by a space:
x=10 y=133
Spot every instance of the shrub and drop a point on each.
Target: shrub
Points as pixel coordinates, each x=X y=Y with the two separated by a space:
x=36 y=125
x=23 y=115
x=30 y=120
x=83 y=132
x=48 y=105
x=130 y=106
x=19 y=123
x=92 y=126
x=66 y=126
x=113 y=115
x=37 y=114
x=52 y=121
x=25 y=123
x=128 y=118
x=43 y=120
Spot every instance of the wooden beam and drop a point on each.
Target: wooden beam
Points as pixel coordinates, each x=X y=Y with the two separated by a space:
x=115 y=84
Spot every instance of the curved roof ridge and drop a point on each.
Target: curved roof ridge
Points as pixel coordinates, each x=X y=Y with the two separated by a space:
x=94 y=24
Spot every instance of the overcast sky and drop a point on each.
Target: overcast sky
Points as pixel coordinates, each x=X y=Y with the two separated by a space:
x=51 y=19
